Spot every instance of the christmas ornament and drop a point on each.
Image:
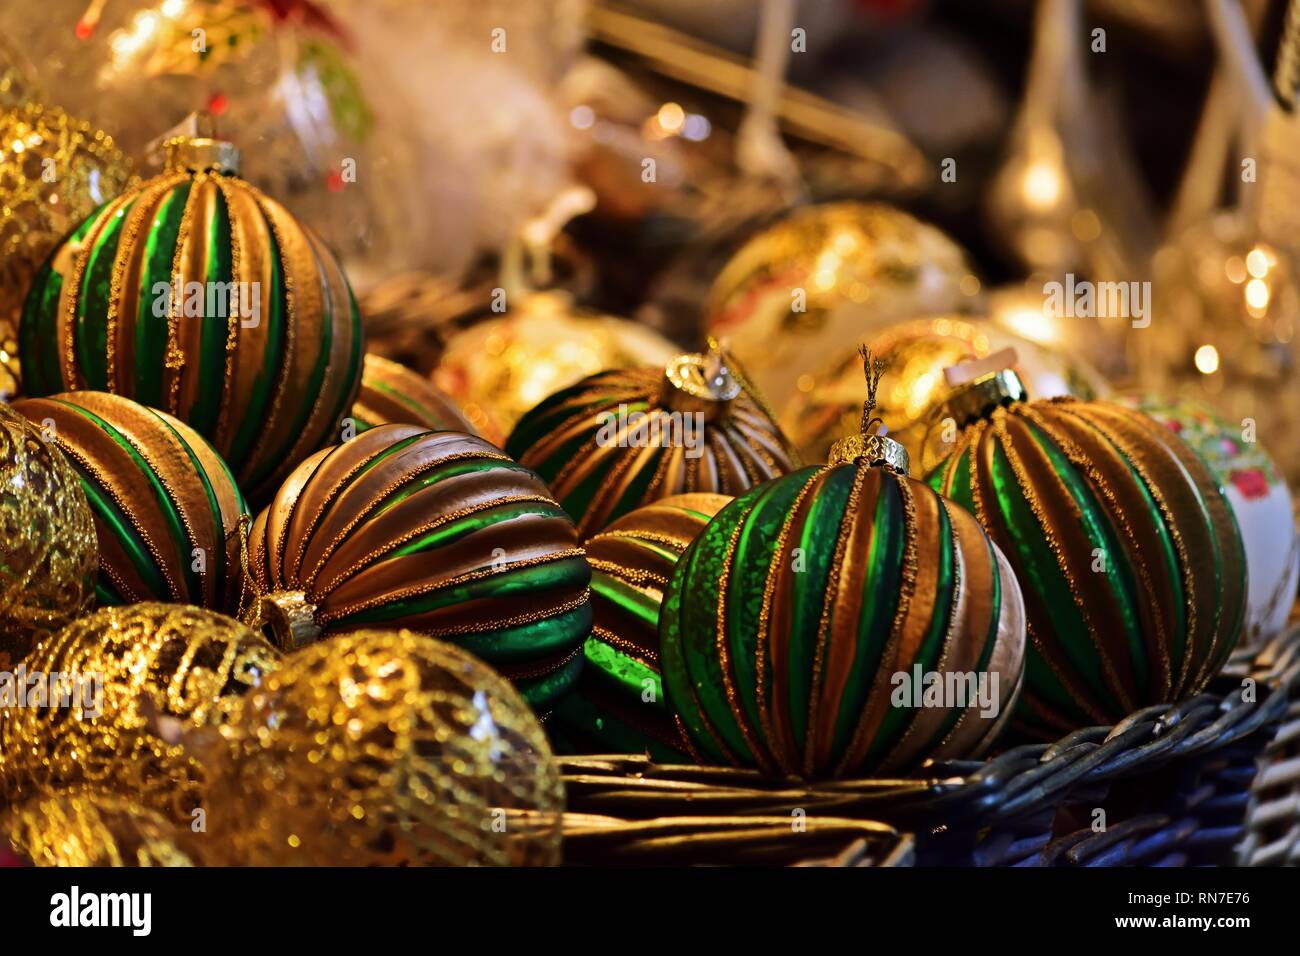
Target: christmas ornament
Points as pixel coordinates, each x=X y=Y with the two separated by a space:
x=618 y=705
x=1129 y=557
x=386 y=747
x=808 y=627
x=48 y=554
x=54 y=171
x=1260 y=501
x=166 y=508
x=825 y=278
x=122 y=675
x=500 y=368
x=392 y=394
x=435 y=531
x=620 y=439
x=916 y=352
x=87 y=828
x=1226 y=310
x=197 y=295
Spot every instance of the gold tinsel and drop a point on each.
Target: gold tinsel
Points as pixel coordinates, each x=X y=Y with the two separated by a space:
x=91 y=829
x=49 y=555
x=159 y=666
x=384 y=748
x=54 y=171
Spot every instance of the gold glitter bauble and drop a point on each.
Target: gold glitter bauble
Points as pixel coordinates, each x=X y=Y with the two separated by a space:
x=828 y=402
x=500 y=368
x=49 y=555
x=54 y=171
x=126 y=672
x=1224 y=324
x=386 y=747
x=818 y=282
x=87 y=828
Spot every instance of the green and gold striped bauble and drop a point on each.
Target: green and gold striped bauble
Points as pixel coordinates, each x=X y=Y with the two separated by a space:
x=1128 y=555
x=618 y=705
x=802 y=628
x=626 y=437
x=434 y=531
x=195 y=294
x=166 y=508
x=391 y=394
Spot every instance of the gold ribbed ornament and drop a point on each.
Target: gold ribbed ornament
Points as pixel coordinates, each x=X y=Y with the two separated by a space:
x=385 y=747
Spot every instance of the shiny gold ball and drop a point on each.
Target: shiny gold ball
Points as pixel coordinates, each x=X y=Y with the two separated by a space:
x=49 y=555
x=817 y=283
x=54 y=171
x=500 y=368
x=111 y=685
x=386 y=747
x=828 y=403
x=88 y=828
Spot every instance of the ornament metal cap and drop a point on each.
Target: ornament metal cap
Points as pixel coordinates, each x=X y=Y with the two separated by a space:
x=193 y=145
x=870 y=443
x=982 y=386
x=695 y=382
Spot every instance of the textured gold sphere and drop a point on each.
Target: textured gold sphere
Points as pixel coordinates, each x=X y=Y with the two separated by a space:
x=129 y=672
x=54 y=171
x=48 y=551
x=86 y=828
x=386 y=747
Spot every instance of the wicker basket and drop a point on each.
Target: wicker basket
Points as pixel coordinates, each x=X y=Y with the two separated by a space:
x=1169 y=785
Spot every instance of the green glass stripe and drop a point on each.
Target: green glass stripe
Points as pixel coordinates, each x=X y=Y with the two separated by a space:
x=622 y=674
x=176 y=529
x=356 y=358
x=881 y=585
x=750 y=568
x=216 y=562
x=125 y=532
x=525 y=642
x=93 y=303
x=1115 y=568
x=151 y=330
x=546 y=415
x=105 y=596
x=317 y=378
x=631 y=601
x=39 y=333
x=535 y=640
x=452 y=469
x=1040 y=572
x=825 y=515
x=409 y=403
x=215 y=329
x=259 y=401
x=472 y=523
x=898 y=719
x=541 y=693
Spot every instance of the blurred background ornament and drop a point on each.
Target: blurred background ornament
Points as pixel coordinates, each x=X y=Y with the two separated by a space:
x=92 y=828
x=500 y=368
x=282 y=77
x=54 y=171
x=1130 y=560
x=196 y=294
x=437 y=761
x=438 y=532
x=824 y=278
x=1260 y=500
x=391 y=394
x=619 y=704
x=827 y=402
x=166 y=510
x=131 y=674
x=624 y=438
x=780 y=660
x=48 y=552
